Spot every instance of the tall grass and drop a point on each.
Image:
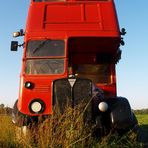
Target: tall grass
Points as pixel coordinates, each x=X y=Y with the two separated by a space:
x=7 y=132
x=65 y=130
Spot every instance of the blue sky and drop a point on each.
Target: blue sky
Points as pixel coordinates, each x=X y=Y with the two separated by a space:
x=132 y=71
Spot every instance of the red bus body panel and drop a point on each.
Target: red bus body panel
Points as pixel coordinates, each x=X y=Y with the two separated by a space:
x=65 y=20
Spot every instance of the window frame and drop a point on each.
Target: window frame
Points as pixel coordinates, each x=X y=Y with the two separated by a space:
x=25 y=59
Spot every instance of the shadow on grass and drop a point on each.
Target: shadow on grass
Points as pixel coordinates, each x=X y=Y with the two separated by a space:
x=143 y=134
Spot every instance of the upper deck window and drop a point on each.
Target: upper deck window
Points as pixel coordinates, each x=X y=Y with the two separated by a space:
x=44 y=48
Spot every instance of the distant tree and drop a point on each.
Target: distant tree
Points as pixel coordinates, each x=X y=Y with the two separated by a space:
x=8 y=110
x=2 y=109
x=5 y=110
x=2 y=105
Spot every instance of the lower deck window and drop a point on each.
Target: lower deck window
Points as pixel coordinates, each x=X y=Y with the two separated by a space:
x=44 y=66
x=98 y=73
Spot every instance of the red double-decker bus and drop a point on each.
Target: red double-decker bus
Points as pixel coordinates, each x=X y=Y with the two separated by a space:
x=71 y=48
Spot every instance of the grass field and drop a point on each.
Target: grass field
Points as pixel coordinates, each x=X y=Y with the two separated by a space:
x=76 y=135
x=142 y=119
x=143 y=130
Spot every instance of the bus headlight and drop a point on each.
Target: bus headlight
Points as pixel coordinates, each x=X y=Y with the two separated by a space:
x=29 y=85
x=103 y=106
x=37 y=106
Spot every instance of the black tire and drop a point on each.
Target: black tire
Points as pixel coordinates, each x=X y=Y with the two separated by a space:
x=17 y=117
x=122 y=117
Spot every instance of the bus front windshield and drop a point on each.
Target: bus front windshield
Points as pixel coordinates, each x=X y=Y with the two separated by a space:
x=45 y=57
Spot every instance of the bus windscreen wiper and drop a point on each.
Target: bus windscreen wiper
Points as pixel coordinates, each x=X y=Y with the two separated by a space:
x=40 y=45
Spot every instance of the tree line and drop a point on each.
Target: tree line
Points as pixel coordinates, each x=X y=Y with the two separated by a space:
x=5 y=110
x=141 y=111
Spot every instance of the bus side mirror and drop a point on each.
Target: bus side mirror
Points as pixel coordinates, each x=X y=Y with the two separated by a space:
x=14 y=45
